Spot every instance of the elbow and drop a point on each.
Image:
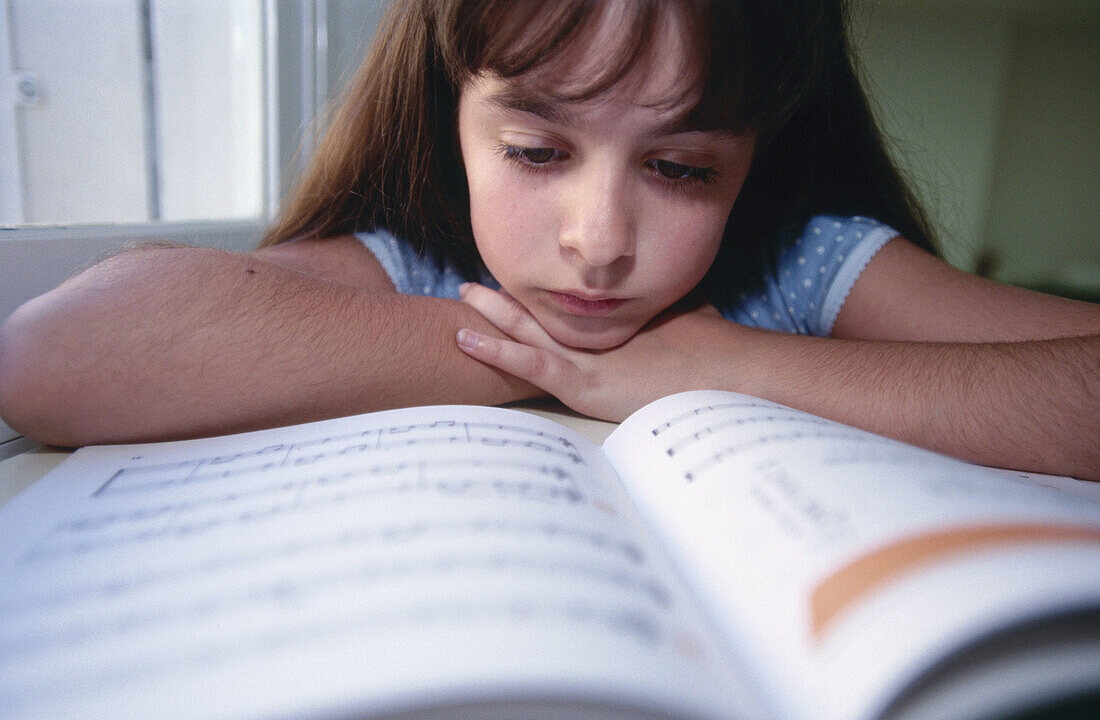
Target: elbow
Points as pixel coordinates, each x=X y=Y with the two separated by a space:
x=59 y=353
x=32 y=390
x=16 y=375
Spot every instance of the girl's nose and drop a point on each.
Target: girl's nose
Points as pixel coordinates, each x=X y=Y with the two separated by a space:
x=599 y=221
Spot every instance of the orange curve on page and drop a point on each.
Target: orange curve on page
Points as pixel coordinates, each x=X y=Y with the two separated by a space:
x=865 y=575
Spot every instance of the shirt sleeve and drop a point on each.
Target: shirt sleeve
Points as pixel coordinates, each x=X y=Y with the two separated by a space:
x=813 y=276
x=417 y=273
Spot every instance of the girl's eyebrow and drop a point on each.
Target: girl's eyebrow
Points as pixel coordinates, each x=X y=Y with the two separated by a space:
x=516 y=98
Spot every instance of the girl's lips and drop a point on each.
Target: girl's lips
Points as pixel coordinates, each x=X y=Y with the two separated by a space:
x=591 y=307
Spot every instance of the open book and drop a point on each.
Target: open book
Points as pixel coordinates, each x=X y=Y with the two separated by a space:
x=719 y=557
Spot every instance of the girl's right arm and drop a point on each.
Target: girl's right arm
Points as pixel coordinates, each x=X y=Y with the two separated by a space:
x=162 y=343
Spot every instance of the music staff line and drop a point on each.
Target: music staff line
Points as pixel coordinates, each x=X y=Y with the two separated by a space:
x=619 y=548
x=301 y=590
x=729 y=451
x=498 y=488
x=708 y=409
x=645 y=628
x=423 y=468
x=155 y=476
x=687 y=441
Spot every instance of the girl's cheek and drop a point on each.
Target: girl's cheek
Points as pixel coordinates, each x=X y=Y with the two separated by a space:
x=689 y=231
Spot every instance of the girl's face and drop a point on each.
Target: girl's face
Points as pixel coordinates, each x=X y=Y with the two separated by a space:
x=597 y=215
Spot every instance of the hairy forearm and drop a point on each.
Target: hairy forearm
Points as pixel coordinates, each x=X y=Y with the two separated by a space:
x=1031 y=405
x=182 y=342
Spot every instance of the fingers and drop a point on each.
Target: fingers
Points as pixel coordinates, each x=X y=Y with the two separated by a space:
x=538 y=367
x=533 y=356
x=506 y=314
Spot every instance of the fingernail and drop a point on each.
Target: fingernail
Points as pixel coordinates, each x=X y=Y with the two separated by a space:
x=463 y=288
x=466 y=339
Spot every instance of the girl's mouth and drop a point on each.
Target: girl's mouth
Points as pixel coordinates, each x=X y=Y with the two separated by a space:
x=587 y=306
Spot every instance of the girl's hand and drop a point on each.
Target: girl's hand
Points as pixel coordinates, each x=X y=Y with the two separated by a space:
x=663 y=358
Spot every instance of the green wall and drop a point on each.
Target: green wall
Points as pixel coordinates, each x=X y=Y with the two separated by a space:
x=993 y=111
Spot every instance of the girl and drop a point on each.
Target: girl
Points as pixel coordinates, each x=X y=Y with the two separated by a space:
x=650 y=196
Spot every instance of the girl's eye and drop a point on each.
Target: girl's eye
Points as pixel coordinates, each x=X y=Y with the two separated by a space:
x=532 y=157
x=677 y=171
x=538 y=156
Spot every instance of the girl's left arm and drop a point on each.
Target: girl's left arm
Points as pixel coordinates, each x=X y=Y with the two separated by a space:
x=920 y=351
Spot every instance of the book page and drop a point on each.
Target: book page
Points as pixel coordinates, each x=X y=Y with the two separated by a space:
x=844 y=564
x=406 y=560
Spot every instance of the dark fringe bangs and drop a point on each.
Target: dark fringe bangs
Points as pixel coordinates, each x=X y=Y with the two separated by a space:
x=753 y=80
x=517 y=38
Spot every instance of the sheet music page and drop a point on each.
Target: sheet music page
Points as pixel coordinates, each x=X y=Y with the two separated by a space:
x=821 y=546
x=357 y=566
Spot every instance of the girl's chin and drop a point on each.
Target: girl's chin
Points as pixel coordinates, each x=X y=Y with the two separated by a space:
x=594 y=338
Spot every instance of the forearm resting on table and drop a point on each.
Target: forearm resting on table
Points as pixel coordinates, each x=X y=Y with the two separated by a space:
x=182 y=342
x=1032 y=405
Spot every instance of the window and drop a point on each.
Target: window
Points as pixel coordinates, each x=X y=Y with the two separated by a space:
x=134 y=111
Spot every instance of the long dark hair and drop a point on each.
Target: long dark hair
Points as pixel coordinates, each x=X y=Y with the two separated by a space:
x=390 y=157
